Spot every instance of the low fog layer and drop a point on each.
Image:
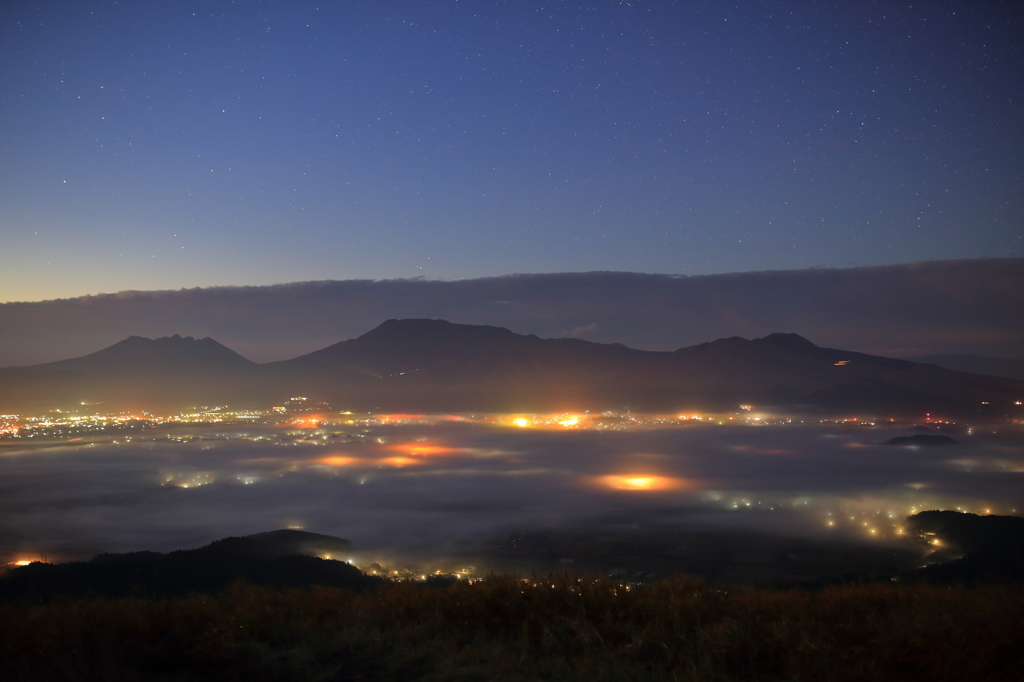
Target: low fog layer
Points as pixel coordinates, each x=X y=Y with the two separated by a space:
x=941 y=307
x=431 y=490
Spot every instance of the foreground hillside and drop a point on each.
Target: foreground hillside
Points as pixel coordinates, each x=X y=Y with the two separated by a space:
x=186 y=615
x=509 y=629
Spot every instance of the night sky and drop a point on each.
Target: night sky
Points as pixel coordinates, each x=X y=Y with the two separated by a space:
x=150 y=145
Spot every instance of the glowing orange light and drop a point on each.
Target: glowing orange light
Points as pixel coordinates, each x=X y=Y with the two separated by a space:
x=520 y=422
x=337 y=461
x=571 y=421
x=399 y=462
x=642 y=482
x=424 y=449
x=308 y=422
x=23 y=562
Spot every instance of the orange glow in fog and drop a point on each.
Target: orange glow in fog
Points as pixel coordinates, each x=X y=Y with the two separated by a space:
x=310 y=422
x=557 y=421
x=337 y=461
x=400 y=462
x=419 y=418
x=641 y=482
x=423 y=449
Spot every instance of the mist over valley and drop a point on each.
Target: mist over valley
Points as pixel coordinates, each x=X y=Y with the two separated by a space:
x=439 y=491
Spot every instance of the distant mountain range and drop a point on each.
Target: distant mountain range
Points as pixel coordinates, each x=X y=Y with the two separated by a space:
x=434 y=365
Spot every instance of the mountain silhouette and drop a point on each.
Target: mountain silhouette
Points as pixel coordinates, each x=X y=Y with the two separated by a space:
x=973 y=549
x=435 y=365
x=787 y=369
x=136 y=373
x=438 y=365
x=167 y=355
x=282 y=558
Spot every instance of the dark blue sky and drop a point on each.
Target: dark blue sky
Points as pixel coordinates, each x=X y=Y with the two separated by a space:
x=150 y=145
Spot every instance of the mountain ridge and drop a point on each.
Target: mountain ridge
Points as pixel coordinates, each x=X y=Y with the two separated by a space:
x=151 y=356
x=976 y=364
x=436 y=365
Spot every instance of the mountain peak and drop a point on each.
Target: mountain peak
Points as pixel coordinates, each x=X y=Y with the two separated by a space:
x=428 y=331
x=777 y=345
x=140 y=354
x=426 y=324
x=788 y=341
x=176 y=338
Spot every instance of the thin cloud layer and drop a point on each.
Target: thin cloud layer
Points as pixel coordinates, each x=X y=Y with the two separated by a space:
x=937 y=307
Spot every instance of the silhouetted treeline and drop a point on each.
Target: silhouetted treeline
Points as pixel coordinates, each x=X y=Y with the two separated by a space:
x=277 y=559
x=992 y=548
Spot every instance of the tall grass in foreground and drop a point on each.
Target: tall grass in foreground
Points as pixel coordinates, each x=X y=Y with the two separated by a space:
x=508 y=629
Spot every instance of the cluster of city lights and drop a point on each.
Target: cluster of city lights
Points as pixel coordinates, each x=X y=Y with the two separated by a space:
x=314 y=418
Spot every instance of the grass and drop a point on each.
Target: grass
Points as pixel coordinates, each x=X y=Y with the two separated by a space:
x=508 y=629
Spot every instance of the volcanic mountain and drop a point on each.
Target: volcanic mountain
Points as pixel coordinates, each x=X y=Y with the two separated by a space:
x=141 y=356
x=787 y=370
x=426 y=365
x=134 y=373
x=434 y=365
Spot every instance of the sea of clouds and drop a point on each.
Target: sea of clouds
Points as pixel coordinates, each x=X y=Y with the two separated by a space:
x=429 y=489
